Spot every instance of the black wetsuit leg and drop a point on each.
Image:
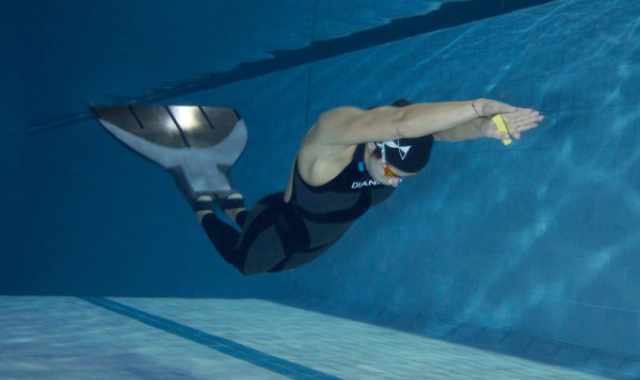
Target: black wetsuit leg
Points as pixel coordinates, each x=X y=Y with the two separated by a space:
x=270 y=235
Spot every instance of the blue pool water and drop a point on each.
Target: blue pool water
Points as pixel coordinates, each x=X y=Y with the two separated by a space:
x=497 y=262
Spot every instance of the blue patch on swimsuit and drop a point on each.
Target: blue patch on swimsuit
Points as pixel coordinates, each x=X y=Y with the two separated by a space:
x=361 y=166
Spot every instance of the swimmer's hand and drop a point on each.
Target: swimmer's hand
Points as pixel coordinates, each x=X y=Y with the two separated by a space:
x=518 y=120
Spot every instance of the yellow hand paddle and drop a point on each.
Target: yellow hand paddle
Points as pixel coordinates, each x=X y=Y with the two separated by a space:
x=503 y=128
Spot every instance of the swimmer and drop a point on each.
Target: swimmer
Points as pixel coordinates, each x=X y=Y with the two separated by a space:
x=350 y=160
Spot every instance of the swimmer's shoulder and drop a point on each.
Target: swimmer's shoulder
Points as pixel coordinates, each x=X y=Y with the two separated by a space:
x=318 y=163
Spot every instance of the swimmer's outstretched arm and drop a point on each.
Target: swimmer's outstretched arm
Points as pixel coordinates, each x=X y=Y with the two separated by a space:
x=351 y=125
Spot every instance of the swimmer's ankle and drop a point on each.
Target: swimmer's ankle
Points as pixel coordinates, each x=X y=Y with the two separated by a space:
x=203 y=206
x=200 y=214
x=233 y=212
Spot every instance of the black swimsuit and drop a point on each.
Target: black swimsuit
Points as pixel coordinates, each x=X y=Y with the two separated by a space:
x=278 y=236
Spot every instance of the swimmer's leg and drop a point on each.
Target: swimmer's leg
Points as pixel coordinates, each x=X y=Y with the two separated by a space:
x=260 y=245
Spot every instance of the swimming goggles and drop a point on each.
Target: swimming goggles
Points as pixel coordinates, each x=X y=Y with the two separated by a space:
x=388 y=172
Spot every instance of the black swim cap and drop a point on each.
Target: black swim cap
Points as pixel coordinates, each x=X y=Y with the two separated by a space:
x=409 y=154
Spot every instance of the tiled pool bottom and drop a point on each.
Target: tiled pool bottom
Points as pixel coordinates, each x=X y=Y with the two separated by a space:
x=145 y=338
